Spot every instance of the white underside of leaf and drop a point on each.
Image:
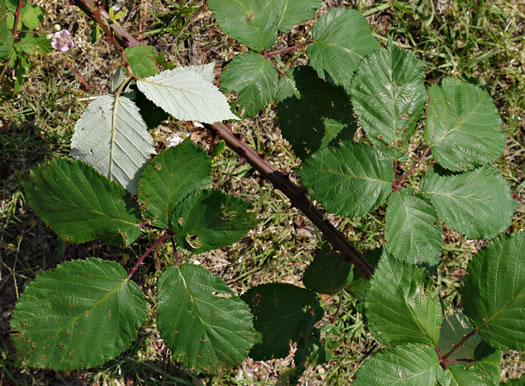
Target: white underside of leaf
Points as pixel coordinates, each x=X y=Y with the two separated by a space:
x=118 y=151
x=187 y=95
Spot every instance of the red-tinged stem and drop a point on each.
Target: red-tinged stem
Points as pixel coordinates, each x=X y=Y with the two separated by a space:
x=17 y=17
x=276 y=67
x=396 y=185
x=287 y=49
x=461 y=343
x=296 y=195
x=164 y=236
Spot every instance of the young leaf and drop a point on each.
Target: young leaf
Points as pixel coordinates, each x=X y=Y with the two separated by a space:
x=118 y=78
x=494 y=294
x=252 y=22
x=477 y=203
x=33 y=44
x=186 y=95
x=350 y=179
x=79 y=315
x=254 y=79
x=388 y=95
x=292 y=12
x=409 y=364
x=31 y=16
x=329 y=273
x=399 y=307
x=112 y=137
x=282 y=313
x=413 y=233
x=342 y=38
x=171 y=176
x=463 y=126
x=142 y=60
x=210 y=219
x=81 y=205
x=201 y=320
x=315 y=112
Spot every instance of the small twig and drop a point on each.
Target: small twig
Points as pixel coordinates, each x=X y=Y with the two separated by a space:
x=287 y=49
x=396 y=185
x=461 y=343
x=148 y=251
x=17 y=17
x=276 y=67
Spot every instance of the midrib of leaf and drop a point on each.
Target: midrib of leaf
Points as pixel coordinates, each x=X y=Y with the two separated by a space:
x=182 y=91
x=253 y=81
x=282 y=14
x=458 y=125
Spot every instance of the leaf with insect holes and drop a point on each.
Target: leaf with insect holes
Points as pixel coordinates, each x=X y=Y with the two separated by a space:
x=293 y=12
x=329 y=273
x=252 y=22
x=408 y=364
x=210 y=219
x=463 y=126
x=77 y=316
x=350 y=179
x=400 y=308
x=341 y=39
x=112 y=137
x=477 y=203
x=494 y=294
x=168 y=180
x=81 y=205
x=312 y=112
x=201 y=320
x=413 y=233
x=254 y=79
x=282 y=313
x=187 y=95
x=388 y=95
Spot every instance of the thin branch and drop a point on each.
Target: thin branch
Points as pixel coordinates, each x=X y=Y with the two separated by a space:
x=192 y=20
x=276 y=67
x=396 y=185
x=17 y=17
x=287 y=49
x=296 y=195
x=148 y=251
x=461 y=343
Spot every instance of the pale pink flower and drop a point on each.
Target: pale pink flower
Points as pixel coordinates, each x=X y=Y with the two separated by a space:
x=62 y=41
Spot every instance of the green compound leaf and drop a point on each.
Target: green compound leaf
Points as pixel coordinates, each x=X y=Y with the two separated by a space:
x=460 y=375
x=171 y=176
x=293 y=12
x=409 y=364
x=350 y=179
x=341 y=39
x=282 y=313
x=388 y=95
x=77 y=316
x=210 y=219
x=187 y=95
x=329 y=273
x=142 y=60
x=463 y=126
x=33 y=44
x=413 y=233
x=477 y=203
x=314 y=112
x=81 y=205
x=254 y=79
x=201 y=320
x=252 y=22
x=31 y=16
x=494 y=294
x=112 y=137
x=399 y=307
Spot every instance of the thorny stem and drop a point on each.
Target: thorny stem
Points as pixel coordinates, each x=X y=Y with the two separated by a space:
x=461 y=343
x=280 y=181
x=165 y=235
x=17 y=17
x=396 y=185
x=296 y=195
x=443 y=359
x=267 y=54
